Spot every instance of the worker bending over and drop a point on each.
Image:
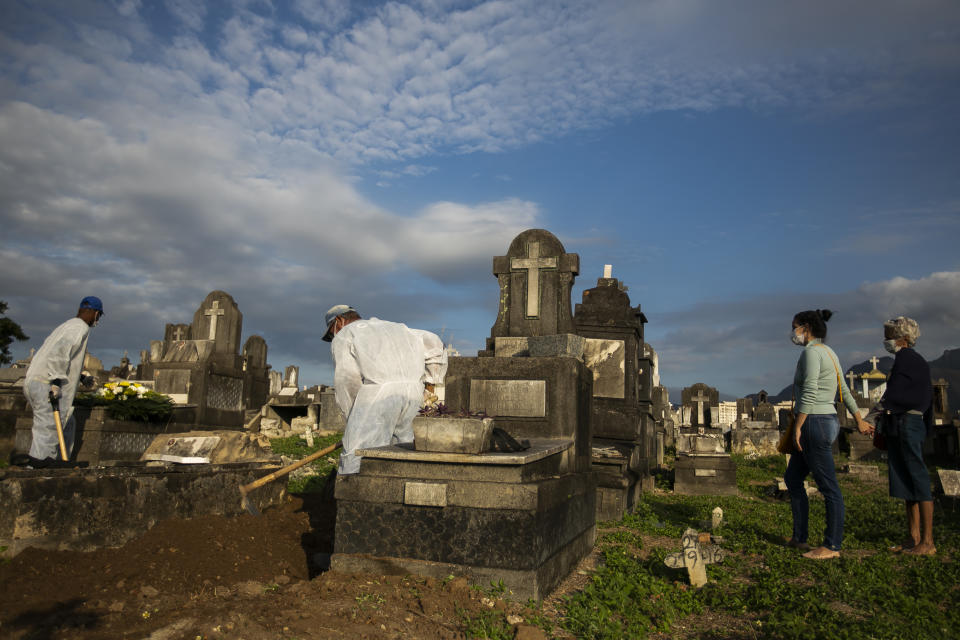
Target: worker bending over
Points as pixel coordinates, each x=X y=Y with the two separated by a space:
x=380 y=369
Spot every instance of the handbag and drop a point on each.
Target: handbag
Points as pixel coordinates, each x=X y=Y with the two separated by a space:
x=787 y=438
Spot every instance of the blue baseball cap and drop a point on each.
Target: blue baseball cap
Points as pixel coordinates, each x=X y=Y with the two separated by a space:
x=92 y=302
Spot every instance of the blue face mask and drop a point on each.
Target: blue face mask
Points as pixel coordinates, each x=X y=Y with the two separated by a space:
x=891 y=346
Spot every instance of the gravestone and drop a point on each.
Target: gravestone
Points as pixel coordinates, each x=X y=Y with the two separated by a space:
x=200 y=364
x=697 y=551
x=535 y=278
x=703 y=465
x=624 y=440
x=525 y=517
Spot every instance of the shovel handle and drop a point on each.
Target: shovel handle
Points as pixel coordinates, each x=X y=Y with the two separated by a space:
x=56 y=420
x=287 y=469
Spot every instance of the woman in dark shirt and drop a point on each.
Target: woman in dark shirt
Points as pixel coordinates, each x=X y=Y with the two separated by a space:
x=909 y=398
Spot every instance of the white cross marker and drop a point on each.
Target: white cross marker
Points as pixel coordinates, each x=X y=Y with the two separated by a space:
x=874 y=361
x=533 y=263
x=851 y=376
x=213 y=313
x=178 y=333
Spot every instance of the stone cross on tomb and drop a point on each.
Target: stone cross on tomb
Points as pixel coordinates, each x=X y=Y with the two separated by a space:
x=533 y=264
x=851 y=376
x=178 y=332
x=700 y=399
x=874 y=361
x=697 y=553
x=213 y=313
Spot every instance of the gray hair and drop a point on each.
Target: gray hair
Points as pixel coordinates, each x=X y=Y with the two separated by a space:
x=906 y=328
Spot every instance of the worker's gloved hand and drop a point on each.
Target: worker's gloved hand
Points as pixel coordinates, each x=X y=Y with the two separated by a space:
x=55 y=392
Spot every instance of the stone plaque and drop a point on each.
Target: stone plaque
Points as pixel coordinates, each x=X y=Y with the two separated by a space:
x=509 y=398
x=606 y=360
x=172 y=381
x=425 y=494
x=950 y=481
x=705 y=473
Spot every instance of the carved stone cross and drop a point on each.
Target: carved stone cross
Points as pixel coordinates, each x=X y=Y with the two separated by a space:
x=213 y=313
x=874 y=361
x=533 y=264
x=695 y=557
x=700 y=399
x=178 y=333
x=851 y=376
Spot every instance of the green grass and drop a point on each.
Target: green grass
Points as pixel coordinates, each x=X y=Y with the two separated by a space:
x=296 y=447
x=763 y=588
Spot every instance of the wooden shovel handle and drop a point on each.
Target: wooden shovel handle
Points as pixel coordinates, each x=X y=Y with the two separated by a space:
x=63 y=443
x=287 y=469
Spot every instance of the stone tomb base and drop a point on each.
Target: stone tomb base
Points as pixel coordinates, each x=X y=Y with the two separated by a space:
x=619 y=485
x=100 y=437
x=492 y=516
x=702 y=474
x=861 y=447
x=86 y=509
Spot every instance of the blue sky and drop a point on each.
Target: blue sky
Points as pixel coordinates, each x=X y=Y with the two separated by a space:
x=736 y=162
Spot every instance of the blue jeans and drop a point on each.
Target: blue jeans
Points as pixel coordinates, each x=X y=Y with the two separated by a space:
x=909 y=479
x=816 y=437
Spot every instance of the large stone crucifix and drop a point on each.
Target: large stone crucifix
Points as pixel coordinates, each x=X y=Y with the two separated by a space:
x=700 y=399
x=213 y=313
x=533 y=264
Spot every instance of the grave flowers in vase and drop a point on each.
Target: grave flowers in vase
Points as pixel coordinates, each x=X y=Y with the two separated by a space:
x=126 y=400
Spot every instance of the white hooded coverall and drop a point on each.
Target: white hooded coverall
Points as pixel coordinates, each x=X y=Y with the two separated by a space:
x=380 y=369
x=59 y=361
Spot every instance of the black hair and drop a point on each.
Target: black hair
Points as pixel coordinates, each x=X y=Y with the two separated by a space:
x=816 y=320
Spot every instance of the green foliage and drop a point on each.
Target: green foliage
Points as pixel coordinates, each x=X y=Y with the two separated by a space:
x=296 y=447
x=149 y=406
x=490 y=624
x=9 y=331
x=763 y=588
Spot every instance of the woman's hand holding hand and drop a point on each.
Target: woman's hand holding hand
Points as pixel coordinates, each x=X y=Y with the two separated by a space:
x=864 y=427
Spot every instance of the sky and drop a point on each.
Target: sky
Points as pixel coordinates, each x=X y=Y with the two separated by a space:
x=735 y=162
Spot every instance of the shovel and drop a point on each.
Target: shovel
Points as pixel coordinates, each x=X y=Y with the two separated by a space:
x=279 y=473
x=55 y=403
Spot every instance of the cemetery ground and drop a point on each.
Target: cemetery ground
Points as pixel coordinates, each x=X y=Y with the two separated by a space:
x=252 y=577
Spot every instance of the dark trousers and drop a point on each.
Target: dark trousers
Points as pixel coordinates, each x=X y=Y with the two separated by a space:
x=816 y=438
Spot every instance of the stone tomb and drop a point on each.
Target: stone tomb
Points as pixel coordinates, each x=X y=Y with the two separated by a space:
x=200 y=364
x=703 y=465
x=526 y=517
x=624 y=444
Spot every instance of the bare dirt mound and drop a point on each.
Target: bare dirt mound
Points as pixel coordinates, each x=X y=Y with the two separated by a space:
x=218 y=577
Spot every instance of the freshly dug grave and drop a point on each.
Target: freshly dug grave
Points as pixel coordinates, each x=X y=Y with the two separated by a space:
x=229 y=577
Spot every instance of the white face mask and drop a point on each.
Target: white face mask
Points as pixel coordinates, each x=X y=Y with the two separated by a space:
x=797 y=338
x=891 y=346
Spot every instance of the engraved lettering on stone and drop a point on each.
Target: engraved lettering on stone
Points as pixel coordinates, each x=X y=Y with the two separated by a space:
x=533 y=264
x=509 y=398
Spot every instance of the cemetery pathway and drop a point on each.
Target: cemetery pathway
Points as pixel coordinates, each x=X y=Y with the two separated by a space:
x=221 y=577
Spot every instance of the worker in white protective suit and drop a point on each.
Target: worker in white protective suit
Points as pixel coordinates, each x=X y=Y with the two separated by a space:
x=380 y=371
x=54 y=374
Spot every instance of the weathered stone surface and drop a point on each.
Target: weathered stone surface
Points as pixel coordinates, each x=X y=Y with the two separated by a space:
x=755 y=437
x=425 y=494
x=568 y=387
x=867 y=470
x=705 y=475
x=86 y=509
x=229 y=446
x=605 y=358
x=452 y=435
x=950 y=482
x=535 y=279
x=509 y=398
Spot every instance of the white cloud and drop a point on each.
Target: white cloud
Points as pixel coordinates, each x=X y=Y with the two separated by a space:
x=189 y=12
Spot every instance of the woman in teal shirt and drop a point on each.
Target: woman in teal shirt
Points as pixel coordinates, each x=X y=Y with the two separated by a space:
x=815 y=387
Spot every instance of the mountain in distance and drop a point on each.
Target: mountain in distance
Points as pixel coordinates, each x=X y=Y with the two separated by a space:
x=947 y=366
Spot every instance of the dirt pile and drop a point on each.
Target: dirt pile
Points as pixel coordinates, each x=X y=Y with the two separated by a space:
x=218 y=577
